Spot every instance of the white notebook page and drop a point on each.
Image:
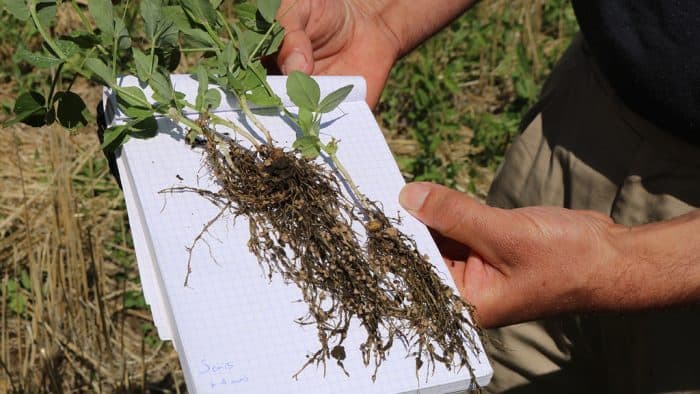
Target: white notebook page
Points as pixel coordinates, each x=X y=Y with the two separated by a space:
x=234 y=330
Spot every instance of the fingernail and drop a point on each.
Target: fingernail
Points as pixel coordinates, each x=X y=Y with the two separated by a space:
x=413 y=195
x=296 y=61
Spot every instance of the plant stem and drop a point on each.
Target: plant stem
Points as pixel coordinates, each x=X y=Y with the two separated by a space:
x=243 y=101
x=346 y=176
x=203 y=49
x=218 y=120
x=260 y=43
x=115 y=46
x=153 y=58
x=215 y=119
x=81 y=14
x=176 y=116
x=116 y=42
x=214 y=36
x=54 y=81
x=228 y=28
x=263 y=81
x=47 y=37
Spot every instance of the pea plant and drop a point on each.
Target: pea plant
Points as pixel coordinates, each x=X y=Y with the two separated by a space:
x=301 y=223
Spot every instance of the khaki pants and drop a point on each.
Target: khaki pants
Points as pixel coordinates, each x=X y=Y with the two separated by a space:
x=581 y=148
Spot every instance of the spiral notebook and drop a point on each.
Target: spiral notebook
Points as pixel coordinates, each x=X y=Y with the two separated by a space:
x=234 y=329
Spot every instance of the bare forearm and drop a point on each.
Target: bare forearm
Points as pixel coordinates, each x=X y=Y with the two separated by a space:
x=415 y=21
x=661 y=266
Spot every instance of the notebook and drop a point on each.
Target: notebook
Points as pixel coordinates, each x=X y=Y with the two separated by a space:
x=234 y=329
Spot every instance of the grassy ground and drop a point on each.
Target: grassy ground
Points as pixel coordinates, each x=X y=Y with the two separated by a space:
x=72 y=316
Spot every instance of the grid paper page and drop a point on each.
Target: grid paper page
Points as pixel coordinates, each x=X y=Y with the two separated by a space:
x=233 y=328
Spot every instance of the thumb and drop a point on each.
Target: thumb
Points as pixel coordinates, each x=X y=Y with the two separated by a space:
x=295 y=53
x=458 y=217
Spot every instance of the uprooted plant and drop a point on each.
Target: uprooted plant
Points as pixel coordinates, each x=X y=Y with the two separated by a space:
x=301 y=223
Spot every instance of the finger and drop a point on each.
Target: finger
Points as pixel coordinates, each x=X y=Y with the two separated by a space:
x=478 y=280
x=483 y=287
x=295 y=53
x=597 y=215
x=484 y=229
x=486 y=289
x=449 y=248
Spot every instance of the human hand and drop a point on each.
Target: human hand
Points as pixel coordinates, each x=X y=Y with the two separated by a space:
x=338 y=37
x=521 y=264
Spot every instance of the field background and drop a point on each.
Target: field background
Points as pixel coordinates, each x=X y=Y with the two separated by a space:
x=72 y=315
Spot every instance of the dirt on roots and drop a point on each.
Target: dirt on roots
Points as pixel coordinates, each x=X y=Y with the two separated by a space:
x=301 y=228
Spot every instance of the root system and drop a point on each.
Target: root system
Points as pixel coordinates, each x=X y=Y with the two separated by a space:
x=301 y=228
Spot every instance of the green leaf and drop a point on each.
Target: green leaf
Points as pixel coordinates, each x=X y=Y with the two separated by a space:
x=12 y=286
x=162 y=87
x=132 y=102
x=25 y=280
x=206 y=98
x=202 y=87
x=332 y=147
x=249 y=16
x=99 y=69
x=18 y=9
x=71 y=111
x=212 y=99
x=84 y=40
x=168 y=34
x=243 y=80
x=303 y=91
x=102 y=12
x=248 y=41
x=177 y=16
x=308 y=146
x=152 y=14
x=134 y=300
x=330 y=102
x=228 y=57
x=201 y=11
x=46 y=12
x=268 y=9
x=168 y=56
x=68 y=47
x=198 y=38
x=113 y=138
x=37 y=59
x=262 y=98
x=123 y=38
x=245 y=46
x=273 y=42
x=304 y=120
x=143 y=64
x=135 y=112
x=18 y=303
x=144 y=128
x=133 y=96
x=29 y=109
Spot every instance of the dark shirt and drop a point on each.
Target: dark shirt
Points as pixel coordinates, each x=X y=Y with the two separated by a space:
x=649 y=51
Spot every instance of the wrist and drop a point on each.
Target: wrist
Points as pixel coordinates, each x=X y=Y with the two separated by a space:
x=658 y=264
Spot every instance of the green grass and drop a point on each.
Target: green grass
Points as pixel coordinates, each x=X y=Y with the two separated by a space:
x=459 y=97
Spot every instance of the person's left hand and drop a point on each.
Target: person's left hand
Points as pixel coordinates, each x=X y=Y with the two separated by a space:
x=521 y=264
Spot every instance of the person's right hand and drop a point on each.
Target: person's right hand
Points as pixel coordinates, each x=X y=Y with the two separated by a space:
x=338 y=37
